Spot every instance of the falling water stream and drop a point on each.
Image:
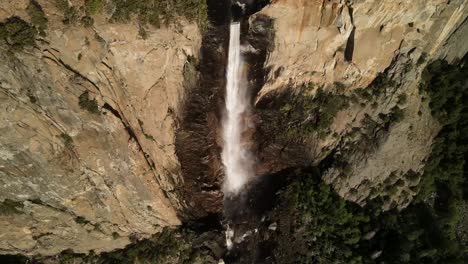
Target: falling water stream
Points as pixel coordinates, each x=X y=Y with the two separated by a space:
x=237 y=159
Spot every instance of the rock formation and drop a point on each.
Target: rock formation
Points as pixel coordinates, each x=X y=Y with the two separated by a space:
x=382 y=47
x=88 y=126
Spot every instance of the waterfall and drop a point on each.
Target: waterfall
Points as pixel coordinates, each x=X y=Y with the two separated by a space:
x=237 y=159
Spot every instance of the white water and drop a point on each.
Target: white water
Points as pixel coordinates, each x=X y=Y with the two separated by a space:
x=237 y=160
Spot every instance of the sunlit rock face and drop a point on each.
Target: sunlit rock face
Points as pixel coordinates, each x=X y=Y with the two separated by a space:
x=88 y=179
x=342 y=46
x=331 y=41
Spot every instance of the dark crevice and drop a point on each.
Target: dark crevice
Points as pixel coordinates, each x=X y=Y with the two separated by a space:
x=131 y=133
x=77 y=73
x=349 y=51
x=112 y=110
x=209 y=188
x=116 y=113
x=18 y=259
x=208 y=223
x=258 y=5
x=38 y=201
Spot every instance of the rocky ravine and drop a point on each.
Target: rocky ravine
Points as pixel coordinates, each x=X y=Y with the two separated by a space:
x=86 y=178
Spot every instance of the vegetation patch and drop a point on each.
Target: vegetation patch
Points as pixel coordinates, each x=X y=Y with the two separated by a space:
x=147 y=136
x=81 y=220
x=10 y=207
x=70 y=13
x=169 y=246
x=94 y=6
x=156 y=12
x=88 y=104
x=379 y=87
x=307 y=114
x=38 y=18
x=17 y=33
x=153 y=12
x=87 y=21
x=67 y=140
x=332 y=230
x=329 y=229
x=445 y=172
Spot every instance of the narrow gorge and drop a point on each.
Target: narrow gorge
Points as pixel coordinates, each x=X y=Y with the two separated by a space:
x=233 y=131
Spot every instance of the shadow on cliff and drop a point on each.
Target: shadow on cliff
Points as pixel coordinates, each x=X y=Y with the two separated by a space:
x=198 y=137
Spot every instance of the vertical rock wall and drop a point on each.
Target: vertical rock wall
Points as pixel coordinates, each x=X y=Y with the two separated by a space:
x=87 y=144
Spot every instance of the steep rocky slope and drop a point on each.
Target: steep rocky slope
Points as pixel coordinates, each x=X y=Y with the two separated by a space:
x=88 y=132
x=370 y=54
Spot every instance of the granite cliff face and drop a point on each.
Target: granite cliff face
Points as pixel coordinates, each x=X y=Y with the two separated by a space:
x=88 y=126
x=111 y=131
x=371 y=54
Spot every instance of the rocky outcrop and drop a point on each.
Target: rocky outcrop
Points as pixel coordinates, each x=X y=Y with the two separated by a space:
x=381 y=47
x=88 y=120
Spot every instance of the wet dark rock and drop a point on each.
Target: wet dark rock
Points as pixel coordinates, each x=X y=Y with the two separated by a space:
x=250 y=216
x=197 y=136
x=198 y=141
x=245 y=8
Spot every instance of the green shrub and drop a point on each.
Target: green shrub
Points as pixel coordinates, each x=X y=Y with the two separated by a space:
x=93 y=7
x=62 y=5
x=38 y=18
x=165 y=247
x=67 y=140
x=88 y=104
x=422 y=59
x=70 y=13
x=10 y=207
x=402 y=99
x=87 y=21
x=81 y=220
x=395 y=115
x=307 y=114
x=448 y=90
x=71 y=16
x=17 y=33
